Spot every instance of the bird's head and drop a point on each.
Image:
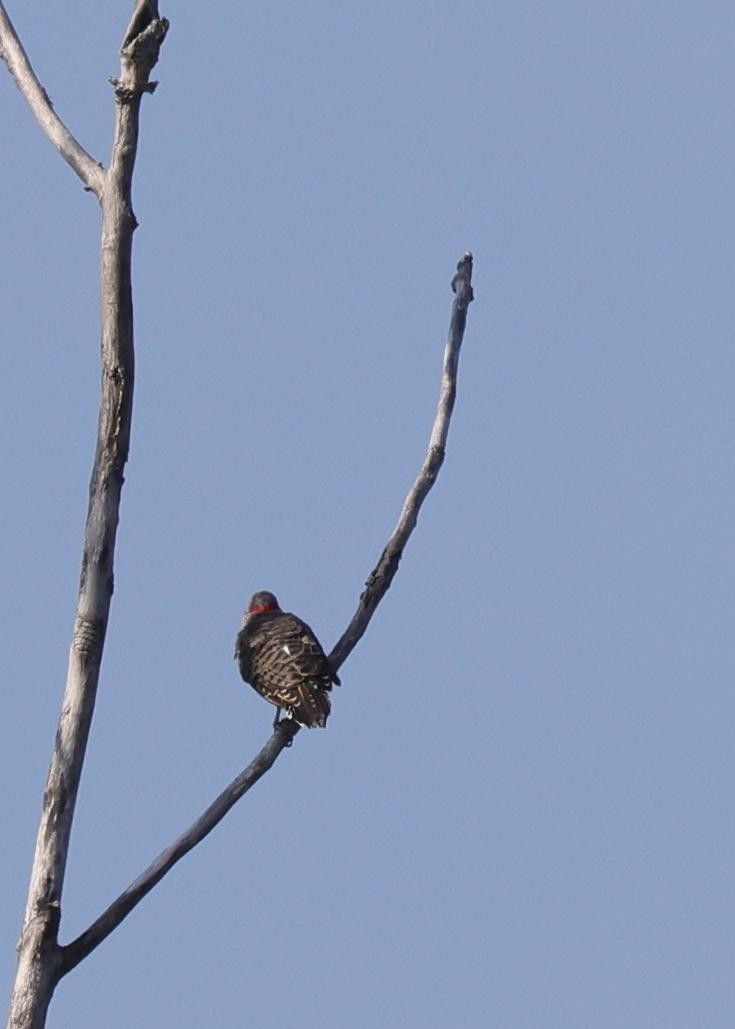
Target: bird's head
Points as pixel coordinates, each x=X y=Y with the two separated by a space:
x=261 y=602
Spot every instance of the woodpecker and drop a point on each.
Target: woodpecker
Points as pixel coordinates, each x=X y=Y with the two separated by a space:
x=281 y=658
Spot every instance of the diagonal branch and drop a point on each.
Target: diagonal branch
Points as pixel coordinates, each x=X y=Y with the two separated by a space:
x=89 y=171
x=75 y=952
x=377 y=585
x=381 y=576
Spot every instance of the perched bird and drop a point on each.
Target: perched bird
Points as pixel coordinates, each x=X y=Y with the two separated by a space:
x=283 y=660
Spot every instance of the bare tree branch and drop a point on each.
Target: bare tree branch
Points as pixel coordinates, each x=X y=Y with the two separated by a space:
x=381 y=576
x=101 y=928
x=39 y=966
x=11 y=51
x=377 y=585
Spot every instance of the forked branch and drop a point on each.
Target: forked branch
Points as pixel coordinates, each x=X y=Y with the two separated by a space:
x=377 y=585
x=42 y=962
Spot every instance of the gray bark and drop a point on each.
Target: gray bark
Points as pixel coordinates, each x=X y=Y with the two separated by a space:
x=381 y=576
x=12 y=52
x=42 y=961
x=376 y=587
x=39 y=954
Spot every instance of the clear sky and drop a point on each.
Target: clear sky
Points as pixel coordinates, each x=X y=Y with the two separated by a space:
x=521 y=813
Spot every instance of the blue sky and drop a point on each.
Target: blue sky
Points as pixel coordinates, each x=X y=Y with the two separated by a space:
x=521 y=812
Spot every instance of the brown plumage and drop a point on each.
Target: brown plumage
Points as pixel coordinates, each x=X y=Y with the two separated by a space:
x=282 y=659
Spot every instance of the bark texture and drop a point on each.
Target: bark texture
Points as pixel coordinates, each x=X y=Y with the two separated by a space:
x=39 y=954
x=42 y=961
x=11 y=51
x=381 y=577
x=284 y=733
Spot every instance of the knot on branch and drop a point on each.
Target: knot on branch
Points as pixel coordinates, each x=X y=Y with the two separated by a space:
x=88 y=636
x=43 y=924
x=377 y=583
x=143 y=48
x=461 y=283
x=139 y=52
x=126 y=94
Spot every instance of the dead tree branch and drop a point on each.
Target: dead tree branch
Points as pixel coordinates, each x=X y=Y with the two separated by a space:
x=39 y=954
x=11 y=51
x=377 y=585
x=381 y=576
x=101 y=928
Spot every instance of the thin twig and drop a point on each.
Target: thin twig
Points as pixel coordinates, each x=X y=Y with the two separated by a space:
x=377 y=584
x=381 y=576
x=89 y=171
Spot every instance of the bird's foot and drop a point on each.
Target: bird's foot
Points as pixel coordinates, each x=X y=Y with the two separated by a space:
x=288 y=729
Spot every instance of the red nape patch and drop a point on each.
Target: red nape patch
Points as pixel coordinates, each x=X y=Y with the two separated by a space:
x=258 y=609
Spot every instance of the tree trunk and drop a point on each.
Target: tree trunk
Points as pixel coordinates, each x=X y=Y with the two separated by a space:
x=40 y=964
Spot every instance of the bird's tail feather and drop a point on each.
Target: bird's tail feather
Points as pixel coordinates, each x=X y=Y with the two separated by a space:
x=313 y=707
